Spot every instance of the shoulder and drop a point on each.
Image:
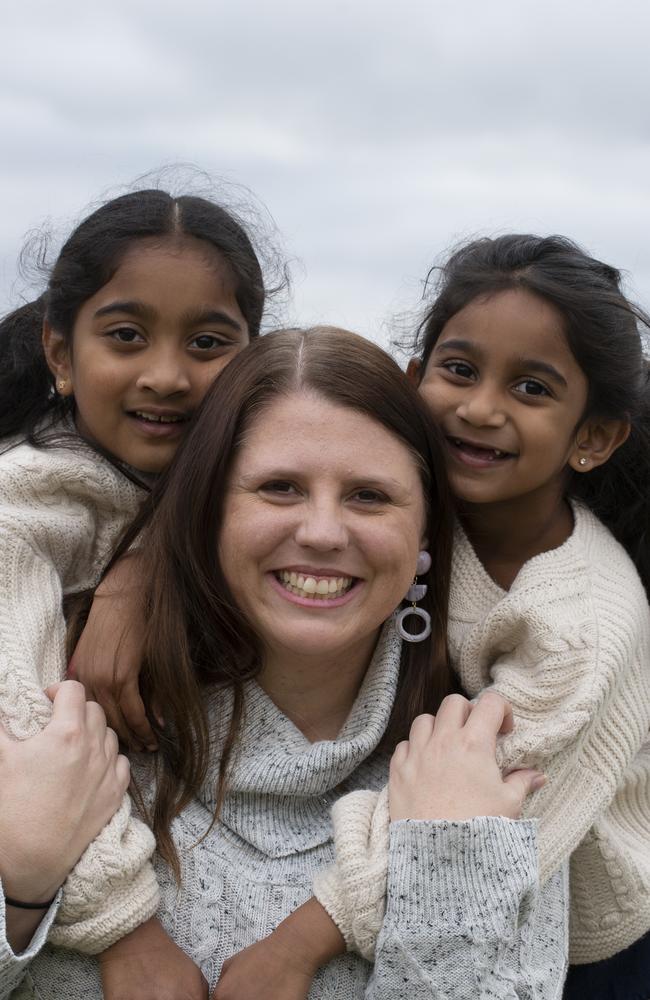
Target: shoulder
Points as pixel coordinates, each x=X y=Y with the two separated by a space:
x=68 y=471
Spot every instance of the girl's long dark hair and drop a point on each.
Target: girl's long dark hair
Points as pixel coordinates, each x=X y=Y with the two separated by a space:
x=87 y=261
x=603 y=332
x=196 y=635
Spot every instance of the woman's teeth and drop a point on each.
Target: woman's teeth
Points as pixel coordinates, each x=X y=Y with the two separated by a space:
x=316 y=587
x=159 y=420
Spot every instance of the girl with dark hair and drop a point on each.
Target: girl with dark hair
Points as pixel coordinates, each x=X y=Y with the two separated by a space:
x=150 y=297
x=307 y=495
x=530 y=360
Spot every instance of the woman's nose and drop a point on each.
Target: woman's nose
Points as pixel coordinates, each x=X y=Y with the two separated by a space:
x=322 y=527
x=164 y=374
x=482 y=406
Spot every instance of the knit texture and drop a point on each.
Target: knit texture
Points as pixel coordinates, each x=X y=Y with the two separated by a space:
x=62 y=510
x=257 y=864
x=569 y=646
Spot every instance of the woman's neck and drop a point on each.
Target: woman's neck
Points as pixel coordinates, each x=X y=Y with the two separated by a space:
x=316 y=692
x=506 y=536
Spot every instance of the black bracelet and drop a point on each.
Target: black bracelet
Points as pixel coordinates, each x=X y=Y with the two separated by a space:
x=28 y=906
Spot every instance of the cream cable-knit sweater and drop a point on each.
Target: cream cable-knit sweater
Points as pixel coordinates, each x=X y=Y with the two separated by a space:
x=62 y=510
x=481 y=927
x=569 y=646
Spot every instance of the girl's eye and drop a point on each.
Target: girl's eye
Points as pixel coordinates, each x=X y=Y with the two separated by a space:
x=460 y=368
x=126 y=335
x=531 y=387
x=209 y=342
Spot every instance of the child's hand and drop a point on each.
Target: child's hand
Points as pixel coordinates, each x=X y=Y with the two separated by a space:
x=282 y=965
x=264 y=971
x=148 y=965
x=447 y=768
x=108 y=656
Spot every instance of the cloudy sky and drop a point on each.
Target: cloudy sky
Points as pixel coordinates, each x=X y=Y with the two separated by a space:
x=376 y=134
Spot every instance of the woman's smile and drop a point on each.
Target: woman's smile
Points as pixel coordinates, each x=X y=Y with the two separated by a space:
x=313 y=589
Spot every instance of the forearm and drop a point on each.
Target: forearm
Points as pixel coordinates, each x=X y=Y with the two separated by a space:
x=463 y=914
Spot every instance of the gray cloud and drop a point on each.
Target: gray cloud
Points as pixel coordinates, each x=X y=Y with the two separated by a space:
x=377 y=135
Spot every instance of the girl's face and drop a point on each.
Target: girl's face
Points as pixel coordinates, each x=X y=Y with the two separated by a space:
x=146 y=347
x=323 y=521
x=509 y=396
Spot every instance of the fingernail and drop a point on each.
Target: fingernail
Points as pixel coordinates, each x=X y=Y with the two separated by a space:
x=538 y=782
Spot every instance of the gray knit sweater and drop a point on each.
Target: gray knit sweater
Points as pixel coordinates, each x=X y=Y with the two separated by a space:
x=464 y=919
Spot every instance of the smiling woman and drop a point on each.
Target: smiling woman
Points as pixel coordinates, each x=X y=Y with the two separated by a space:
x=313 y=463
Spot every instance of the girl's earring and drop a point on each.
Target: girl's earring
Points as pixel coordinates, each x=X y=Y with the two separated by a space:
x=415 y=593
x=61 y=385
x=582 y=461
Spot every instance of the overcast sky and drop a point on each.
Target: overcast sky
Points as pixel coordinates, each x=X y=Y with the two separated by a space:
x=376 y=134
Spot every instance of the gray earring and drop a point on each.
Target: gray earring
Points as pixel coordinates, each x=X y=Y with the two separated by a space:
x=415 y=593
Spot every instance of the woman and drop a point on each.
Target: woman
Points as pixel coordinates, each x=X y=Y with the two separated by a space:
x=289 y=530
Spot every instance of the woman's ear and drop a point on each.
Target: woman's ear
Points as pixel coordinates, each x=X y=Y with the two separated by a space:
x=57 y=355
x=596 y=442
x=413 y=371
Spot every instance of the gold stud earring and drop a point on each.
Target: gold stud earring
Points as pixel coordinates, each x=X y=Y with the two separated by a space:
x=61 y=384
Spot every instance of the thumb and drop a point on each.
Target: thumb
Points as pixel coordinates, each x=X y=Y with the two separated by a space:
x=524 y=782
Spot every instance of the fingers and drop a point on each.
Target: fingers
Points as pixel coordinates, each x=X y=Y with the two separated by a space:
x=68 y=701
x=453 y=713
x=135 y=716
x=523 y=783
x=123 y=771
x=490 y=716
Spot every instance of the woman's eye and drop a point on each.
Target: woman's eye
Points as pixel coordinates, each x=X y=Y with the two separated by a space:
x=459 y=368
x=279 y=488
x=531 y=387
x=370 y=496
x=126 y=335
x=209 y=342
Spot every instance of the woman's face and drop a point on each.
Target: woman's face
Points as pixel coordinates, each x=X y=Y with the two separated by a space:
x=323 y=521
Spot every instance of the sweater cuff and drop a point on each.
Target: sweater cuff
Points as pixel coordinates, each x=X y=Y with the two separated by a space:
x=478 y=875
x=12 y=965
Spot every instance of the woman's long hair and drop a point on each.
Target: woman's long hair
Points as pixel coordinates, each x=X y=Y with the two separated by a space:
x=196 y=634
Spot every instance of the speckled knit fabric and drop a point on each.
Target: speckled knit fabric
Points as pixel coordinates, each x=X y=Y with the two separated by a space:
x=569 y=646
x=62 y=510
x=465 y=918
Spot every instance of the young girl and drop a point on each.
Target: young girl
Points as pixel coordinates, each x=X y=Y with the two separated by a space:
x=531 y=360
x=150 y=297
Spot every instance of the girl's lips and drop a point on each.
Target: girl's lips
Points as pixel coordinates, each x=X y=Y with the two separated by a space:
x=156 y=428
x=476 y=456
x=314 y=602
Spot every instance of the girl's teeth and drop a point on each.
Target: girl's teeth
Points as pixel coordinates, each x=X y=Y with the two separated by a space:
x=324 y=587
x=158 y=420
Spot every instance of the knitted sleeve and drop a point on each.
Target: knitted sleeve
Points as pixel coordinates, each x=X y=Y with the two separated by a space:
x=580 y=693
x=60 y=515
x=12 y=966
x=465 y=917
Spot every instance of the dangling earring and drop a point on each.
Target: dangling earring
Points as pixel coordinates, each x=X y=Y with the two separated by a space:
x=415 y=593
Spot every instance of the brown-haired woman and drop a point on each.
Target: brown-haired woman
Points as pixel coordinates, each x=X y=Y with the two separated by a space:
x=289 y=530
